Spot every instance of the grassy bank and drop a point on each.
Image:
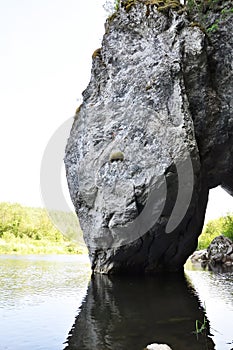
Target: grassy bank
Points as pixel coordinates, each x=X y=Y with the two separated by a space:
x=25 y=230
x=214 y=228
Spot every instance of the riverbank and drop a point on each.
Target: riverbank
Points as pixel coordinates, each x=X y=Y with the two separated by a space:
x=26 y=230
x=24 y=246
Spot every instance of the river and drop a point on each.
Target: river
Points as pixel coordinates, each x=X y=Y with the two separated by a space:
x=51 y=303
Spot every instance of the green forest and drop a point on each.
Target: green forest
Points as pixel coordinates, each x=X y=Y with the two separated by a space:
x=25 y=230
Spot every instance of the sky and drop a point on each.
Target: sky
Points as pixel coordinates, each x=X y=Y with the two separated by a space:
x=45 y=49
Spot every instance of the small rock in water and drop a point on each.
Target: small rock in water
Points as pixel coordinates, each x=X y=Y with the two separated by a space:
x=219 y=252
x=156 y=346
x=199 y=255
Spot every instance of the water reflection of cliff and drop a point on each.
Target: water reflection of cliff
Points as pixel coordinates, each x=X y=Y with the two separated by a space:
x=129 y=313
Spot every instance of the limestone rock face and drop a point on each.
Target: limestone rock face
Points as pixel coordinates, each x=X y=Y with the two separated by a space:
x=153 y=134
x=211 y=97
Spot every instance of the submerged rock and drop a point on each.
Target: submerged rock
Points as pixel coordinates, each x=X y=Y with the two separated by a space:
x=156 y=346
x=152 y=136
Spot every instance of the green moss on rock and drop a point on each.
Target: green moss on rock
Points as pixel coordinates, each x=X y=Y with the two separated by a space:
x=116 y=156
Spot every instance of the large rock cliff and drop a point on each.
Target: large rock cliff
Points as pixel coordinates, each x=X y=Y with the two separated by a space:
x=153 y=134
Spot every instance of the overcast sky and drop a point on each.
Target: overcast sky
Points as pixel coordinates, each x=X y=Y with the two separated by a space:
x=46 y=48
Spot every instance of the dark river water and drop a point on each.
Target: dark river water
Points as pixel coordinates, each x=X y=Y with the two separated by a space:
x=52 y=303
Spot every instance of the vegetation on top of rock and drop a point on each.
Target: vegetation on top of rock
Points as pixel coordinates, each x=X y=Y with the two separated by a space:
x=162 y=5
x=214 y=228
x=207 y=14
x=210 y=14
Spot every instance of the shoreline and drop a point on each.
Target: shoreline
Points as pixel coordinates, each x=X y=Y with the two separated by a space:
x=27 y=246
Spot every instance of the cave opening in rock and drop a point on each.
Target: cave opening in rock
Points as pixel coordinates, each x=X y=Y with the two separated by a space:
x=215 y=246
x=220 y=203
x=217 y=219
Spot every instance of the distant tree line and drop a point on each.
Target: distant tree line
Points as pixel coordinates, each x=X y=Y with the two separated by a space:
x=24 y=227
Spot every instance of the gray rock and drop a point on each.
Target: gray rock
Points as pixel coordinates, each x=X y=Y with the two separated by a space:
x=224 y=259
x=213 y=91
x=199 y=256
x=217 y=257
x=229 y=250
x=153 y=135
x=218 y=250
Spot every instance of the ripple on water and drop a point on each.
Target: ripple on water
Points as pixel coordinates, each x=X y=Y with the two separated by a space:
x=39 y=299
x=215 y=291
